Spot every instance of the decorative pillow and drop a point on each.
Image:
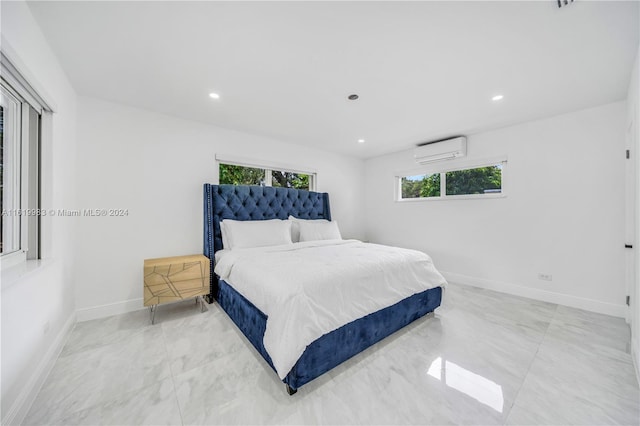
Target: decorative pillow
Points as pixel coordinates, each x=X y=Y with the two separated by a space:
x=313 y=230
x=255 y=233
x=295 y=226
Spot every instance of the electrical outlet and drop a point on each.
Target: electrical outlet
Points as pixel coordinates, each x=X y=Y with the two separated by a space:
x=45 y=328
x=545 y=277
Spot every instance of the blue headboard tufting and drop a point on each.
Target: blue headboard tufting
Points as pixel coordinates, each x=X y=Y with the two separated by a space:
x=243 y=202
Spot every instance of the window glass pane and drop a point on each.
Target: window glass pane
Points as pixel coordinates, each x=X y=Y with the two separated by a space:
x=421 y=186
x=10 y=166
x=482 y=180
x=240 y=175
x=290 y=179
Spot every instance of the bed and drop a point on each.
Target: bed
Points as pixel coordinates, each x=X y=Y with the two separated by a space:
x=321 y=354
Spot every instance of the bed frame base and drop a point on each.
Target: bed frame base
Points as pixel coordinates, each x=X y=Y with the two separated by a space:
x=291 y=390
x=333 y=348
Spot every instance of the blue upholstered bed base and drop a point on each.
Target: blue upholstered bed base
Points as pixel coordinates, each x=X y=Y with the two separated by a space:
x=260 y=203
x=333 y=348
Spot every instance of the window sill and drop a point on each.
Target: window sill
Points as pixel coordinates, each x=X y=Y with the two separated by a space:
x=17 y=273
x=453 y=197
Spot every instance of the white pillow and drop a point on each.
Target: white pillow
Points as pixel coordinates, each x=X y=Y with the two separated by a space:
x=313 y=230
x=255 y=233
x=226 y=243
x=295 y=226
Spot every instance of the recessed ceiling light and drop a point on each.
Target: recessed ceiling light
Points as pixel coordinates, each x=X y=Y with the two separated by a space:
x=214 y=95
x=353 y=97
x=360 y=140
x=497 y=98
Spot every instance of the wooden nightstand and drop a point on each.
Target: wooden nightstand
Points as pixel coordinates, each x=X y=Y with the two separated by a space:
x=171 y=279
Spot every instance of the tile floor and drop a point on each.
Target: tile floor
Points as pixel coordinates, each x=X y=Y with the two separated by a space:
x=484 y=358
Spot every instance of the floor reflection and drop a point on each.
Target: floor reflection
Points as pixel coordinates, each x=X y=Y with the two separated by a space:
x=479 y=388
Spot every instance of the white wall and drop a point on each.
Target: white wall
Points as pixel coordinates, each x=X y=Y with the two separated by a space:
x=633 y=143
x=563 y=214
x=154 y=166
x=38 y=305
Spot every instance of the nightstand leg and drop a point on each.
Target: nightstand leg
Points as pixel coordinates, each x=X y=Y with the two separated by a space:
x=153 y=313
x=203 y=306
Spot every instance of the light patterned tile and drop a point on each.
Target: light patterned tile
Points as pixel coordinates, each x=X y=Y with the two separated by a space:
x=194 y=341
x=204 y=392
x=484 y=358
x=105 y=331
x=589 y=328
x=155 y=404
x=588 y=384
x=84 y=379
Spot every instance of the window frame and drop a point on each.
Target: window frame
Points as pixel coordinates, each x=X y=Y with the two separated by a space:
x=443 y=169
x=33 y=110
x=268 y=169
x=13 y=168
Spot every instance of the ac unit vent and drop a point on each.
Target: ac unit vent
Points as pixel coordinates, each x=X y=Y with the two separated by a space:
x=447 y=149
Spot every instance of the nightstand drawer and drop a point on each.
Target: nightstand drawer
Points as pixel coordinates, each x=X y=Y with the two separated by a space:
x=171 y=279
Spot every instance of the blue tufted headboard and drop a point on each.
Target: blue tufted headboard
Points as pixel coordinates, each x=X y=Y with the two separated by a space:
x=243 y=202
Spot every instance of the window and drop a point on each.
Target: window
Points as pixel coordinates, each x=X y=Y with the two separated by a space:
x=20 y=117
x=237 y=174
x=10 y=143
x=421 y=186
x=481 y=180
x=473 y=182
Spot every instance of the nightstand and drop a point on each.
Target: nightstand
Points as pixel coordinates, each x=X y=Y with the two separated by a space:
x=171 y=279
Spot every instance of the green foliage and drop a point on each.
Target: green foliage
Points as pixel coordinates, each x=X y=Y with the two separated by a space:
x=474 y=181
x=240 y=175
x=428 y=186
x=289 y=180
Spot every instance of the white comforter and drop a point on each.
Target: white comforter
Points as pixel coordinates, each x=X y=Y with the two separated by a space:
x=312 y=288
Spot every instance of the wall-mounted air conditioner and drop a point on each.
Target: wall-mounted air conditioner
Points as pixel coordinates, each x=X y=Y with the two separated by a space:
x=441 y=150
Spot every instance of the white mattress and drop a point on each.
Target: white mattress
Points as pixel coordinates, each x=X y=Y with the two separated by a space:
x=311 y=288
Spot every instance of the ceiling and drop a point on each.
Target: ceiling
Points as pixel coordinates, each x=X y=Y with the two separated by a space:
x=423 y=70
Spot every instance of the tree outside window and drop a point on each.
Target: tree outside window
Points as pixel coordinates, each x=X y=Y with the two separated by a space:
x=243 y=175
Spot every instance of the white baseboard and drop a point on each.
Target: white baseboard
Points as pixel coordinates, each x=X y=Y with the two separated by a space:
x=24 y=401
x=537 y=294
x=102 y=311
